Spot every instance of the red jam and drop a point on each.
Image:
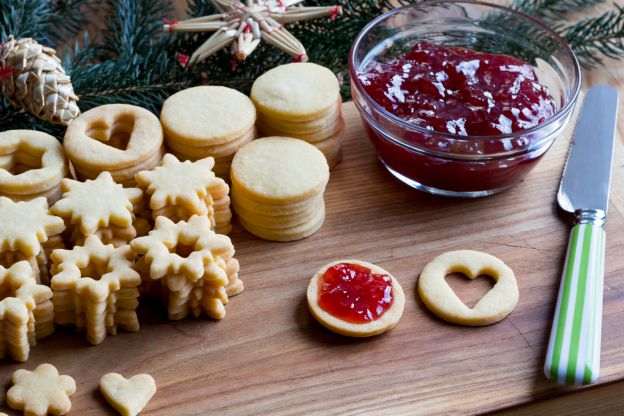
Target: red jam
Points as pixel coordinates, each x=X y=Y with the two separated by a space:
x=352 y=293
x=459 y=91
x=462 y=93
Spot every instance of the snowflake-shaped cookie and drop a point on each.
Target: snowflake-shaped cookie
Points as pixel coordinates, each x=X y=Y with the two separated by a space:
x=94 y=269
x=42 y=391
x=186 y=249
x=96 y=203
x=25 y=225
x=21 y=294
x=185 y=184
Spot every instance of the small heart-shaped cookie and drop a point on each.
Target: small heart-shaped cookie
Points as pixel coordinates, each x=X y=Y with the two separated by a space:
x=127 y=396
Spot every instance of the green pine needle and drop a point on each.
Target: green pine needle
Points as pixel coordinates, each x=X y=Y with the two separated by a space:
x=596 y=37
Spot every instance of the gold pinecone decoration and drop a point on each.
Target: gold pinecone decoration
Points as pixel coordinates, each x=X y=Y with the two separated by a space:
x=38 y=84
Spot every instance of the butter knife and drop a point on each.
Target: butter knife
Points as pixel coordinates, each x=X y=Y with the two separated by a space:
x=573 y=355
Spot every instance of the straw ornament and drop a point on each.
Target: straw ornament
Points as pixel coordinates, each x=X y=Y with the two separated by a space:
x=242 y=25
x=33 y=79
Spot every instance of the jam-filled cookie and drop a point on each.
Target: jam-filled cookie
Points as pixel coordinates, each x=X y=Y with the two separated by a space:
x=355 y=298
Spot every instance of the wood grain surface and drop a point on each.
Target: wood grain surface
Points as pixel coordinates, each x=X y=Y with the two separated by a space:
x=269 y=356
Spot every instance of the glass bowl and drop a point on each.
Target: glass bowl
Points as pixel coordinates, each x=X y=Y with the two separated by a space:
x=449 y=164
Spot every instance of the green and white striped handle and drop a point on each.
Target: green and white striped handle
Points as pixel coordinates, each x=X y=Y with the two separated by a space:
x=573 y=355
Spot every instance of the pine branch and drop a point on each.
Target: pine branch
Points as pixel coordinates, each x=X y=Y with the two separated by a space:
x=552 y=11
x=43 y=20
x=134 y=25
x=595 y=37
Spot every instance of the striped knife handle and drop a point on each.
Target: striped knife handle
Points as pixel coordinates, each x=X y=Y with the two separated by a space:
x=573 y=355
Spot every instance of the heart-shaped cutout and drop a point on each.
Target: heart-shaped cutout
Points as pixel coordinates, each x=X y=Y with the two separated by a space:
x=127 y=396
x=116 y=135
x=470 y=291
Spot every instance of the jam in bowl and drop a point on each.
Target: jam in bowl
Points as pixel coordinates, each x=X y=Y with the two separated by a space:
x=462 y=98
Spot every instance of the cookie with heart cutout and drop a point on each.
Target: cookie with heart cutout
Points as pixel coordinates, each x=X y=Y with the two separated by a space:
x=113 y=136
x=440 y=298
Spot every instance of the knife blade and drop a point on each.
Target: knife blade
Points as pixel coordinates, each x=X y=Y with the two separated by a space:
x=573 y=354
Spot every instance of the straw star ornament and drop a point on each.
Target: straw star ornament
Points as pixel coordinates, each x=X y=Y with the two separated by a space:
x=243 y=25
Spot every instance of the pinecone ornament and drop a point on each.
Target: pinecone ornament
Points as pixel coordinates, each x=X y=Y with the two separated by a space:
x=38 y=83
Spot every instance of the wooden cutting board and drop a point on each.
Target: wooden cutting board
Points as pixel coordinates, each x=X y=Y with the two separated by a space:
x=269 y=356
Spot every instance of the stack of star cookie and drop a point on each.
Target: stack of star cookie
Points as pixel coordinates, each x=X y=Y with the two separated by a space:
x=208 y=121
x=301 y=100
x=195 y=266
x=277 y=188
x=28 y=232
x=178 y=190
x=26 y=312
x=98 y=207
x=32 y=164
x=118 y=138
x=95 y=288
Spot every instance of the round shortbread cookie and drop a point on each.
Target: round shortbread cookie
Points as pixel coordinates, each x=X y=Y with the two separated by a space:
x=303 y=127
x=316 y=136
x=112 y=136
x=207 y=115
x=388 y=320
x=31 y=162
x=279 y=222
x=296 y=91
x=222 y=151
x=272 y=209
x=279 y=170
x=438 y=296
x=289 y=234
x=330 y=146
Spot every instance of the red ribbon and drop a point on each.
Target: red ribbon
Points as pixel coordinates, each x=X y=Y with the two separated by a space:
x=170 y=23
x=183 y=59
x=335 y=11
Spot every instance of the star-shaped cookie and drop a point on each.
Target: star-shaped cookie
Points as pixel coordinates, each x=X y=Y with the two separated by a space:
x=96 y=203
x=40 y=392
x=185 y=248
x=25 y=225
x=22 y=294
x=94 y=269
x=185 y=184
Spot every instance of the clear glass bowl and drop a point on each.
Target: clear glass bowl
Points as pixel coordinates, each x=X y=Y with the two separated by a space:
x=449 y=164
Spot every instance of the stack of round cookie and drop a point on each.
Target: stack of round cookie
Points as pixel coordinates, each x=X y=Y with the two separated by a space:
x=277 y=188
x=208 y=121
x=119 y=138
x=32 y=164
x=301 y=100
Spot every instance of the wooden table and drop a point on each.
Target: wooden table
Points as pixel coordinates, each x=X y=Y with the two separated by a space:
x=269 y=356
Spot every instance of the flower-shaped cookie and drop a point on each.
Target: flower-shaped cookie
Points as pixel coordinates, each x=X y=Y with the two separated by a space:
x=42 y=391
x=185 y=184
x=25 y=225
x=17 y=309
x=96 y=203
x=95 y=269
x=86 y=281
x=185 y=248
